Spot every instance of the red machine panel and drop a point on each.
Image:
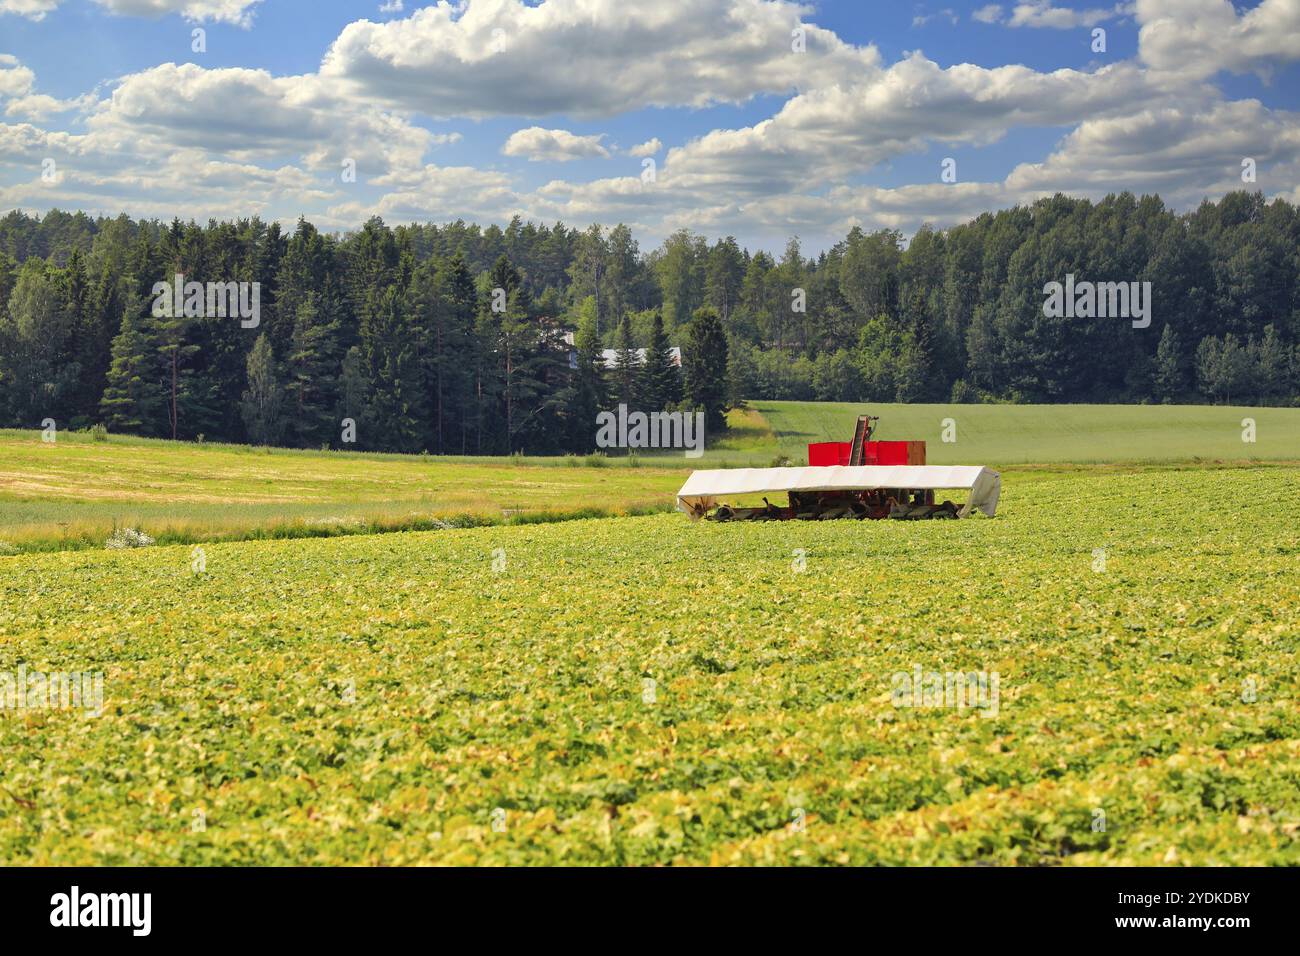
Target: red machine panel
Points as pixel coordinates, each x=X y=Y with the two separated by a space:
x=895 y=453
x=829 y=453
x=877 y=453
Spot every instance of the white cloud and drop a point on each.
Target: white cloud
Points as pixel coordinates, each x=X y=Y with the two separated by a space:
x=15 y=79
x=947 y=13
x=1198 y=38
x=1041 y=14
x=187 y=106
x=649 y=148
x=31 y=9
x=555 y=145
x=97 y=179
x=221 y=11
x=18 y=94
x=829 y=135
x=437 y=192
x=1183 y=152
x=231 y=141
x=586 y=57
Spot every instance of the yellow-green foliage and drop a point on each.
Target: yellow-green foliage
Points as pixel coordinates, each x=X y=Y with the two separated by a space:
x=74 y=492
x=375 y=699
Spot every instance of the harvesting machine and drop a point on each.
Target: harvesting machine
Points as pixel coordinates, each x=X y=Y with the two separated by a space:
x=858 y=479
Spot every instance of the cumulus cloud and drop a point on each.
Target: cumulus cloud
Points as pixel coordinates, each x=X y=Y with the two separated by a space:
x=188 y=106
x=1198 y=38
x=437 y=192
x=18 y=97
x=555 y=145
x=831 y=134
x=168 y=137
x=1182 y=152
x=649 y=148
x=584 y=58
x=15 y=79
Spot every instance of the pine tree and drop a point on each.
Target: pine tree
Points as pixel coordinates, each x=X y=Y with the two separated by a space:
x=523 y=372
x=704 y=357
x=134 y=399
x=176 y=348
x=516 y=365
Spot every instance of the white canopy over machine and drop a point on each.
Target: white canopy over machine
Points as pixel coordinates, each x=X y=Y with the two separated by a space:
x=703 y=488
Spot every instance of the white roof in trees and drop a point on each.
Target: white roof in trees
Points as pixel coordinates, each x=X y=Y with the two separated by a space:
x=703 y=488
x=611 y=356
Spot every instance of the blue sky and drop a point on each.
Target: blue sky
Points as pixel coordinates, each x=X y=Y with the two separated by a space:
x=549 y=110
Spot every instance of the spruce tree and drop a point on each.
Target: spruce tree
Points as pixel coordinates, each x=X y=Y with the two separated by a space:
x=134 y=400
x=393 y=415
x=704 y=357
x=460 y=300
x=310 y=385
x=354 y=395
x=588 y=393
x=661 y=381
x=623 y=378
x=445 y=301
x=86 y=340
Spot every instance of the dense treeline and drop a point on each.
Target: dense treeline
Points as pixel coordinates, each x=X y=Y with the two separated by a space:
x=452 y=338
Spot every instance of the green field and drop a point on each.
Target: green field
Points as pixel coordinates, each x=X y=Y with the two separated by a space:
x=480 y=695
x=74 y=492
x=1001 y=435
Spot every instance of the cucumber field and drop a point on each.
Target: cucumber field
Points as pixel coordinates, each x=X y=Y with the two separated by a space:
x=647 y=690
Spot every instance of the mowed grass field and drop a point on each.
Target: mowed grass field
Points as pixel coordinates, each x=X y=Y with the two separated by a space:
x=73 y=492
x=1002 y=435
x=645 y=690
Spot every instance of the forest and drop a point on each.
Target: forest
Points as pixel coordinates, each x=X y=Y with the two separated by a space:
x=459 y=339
